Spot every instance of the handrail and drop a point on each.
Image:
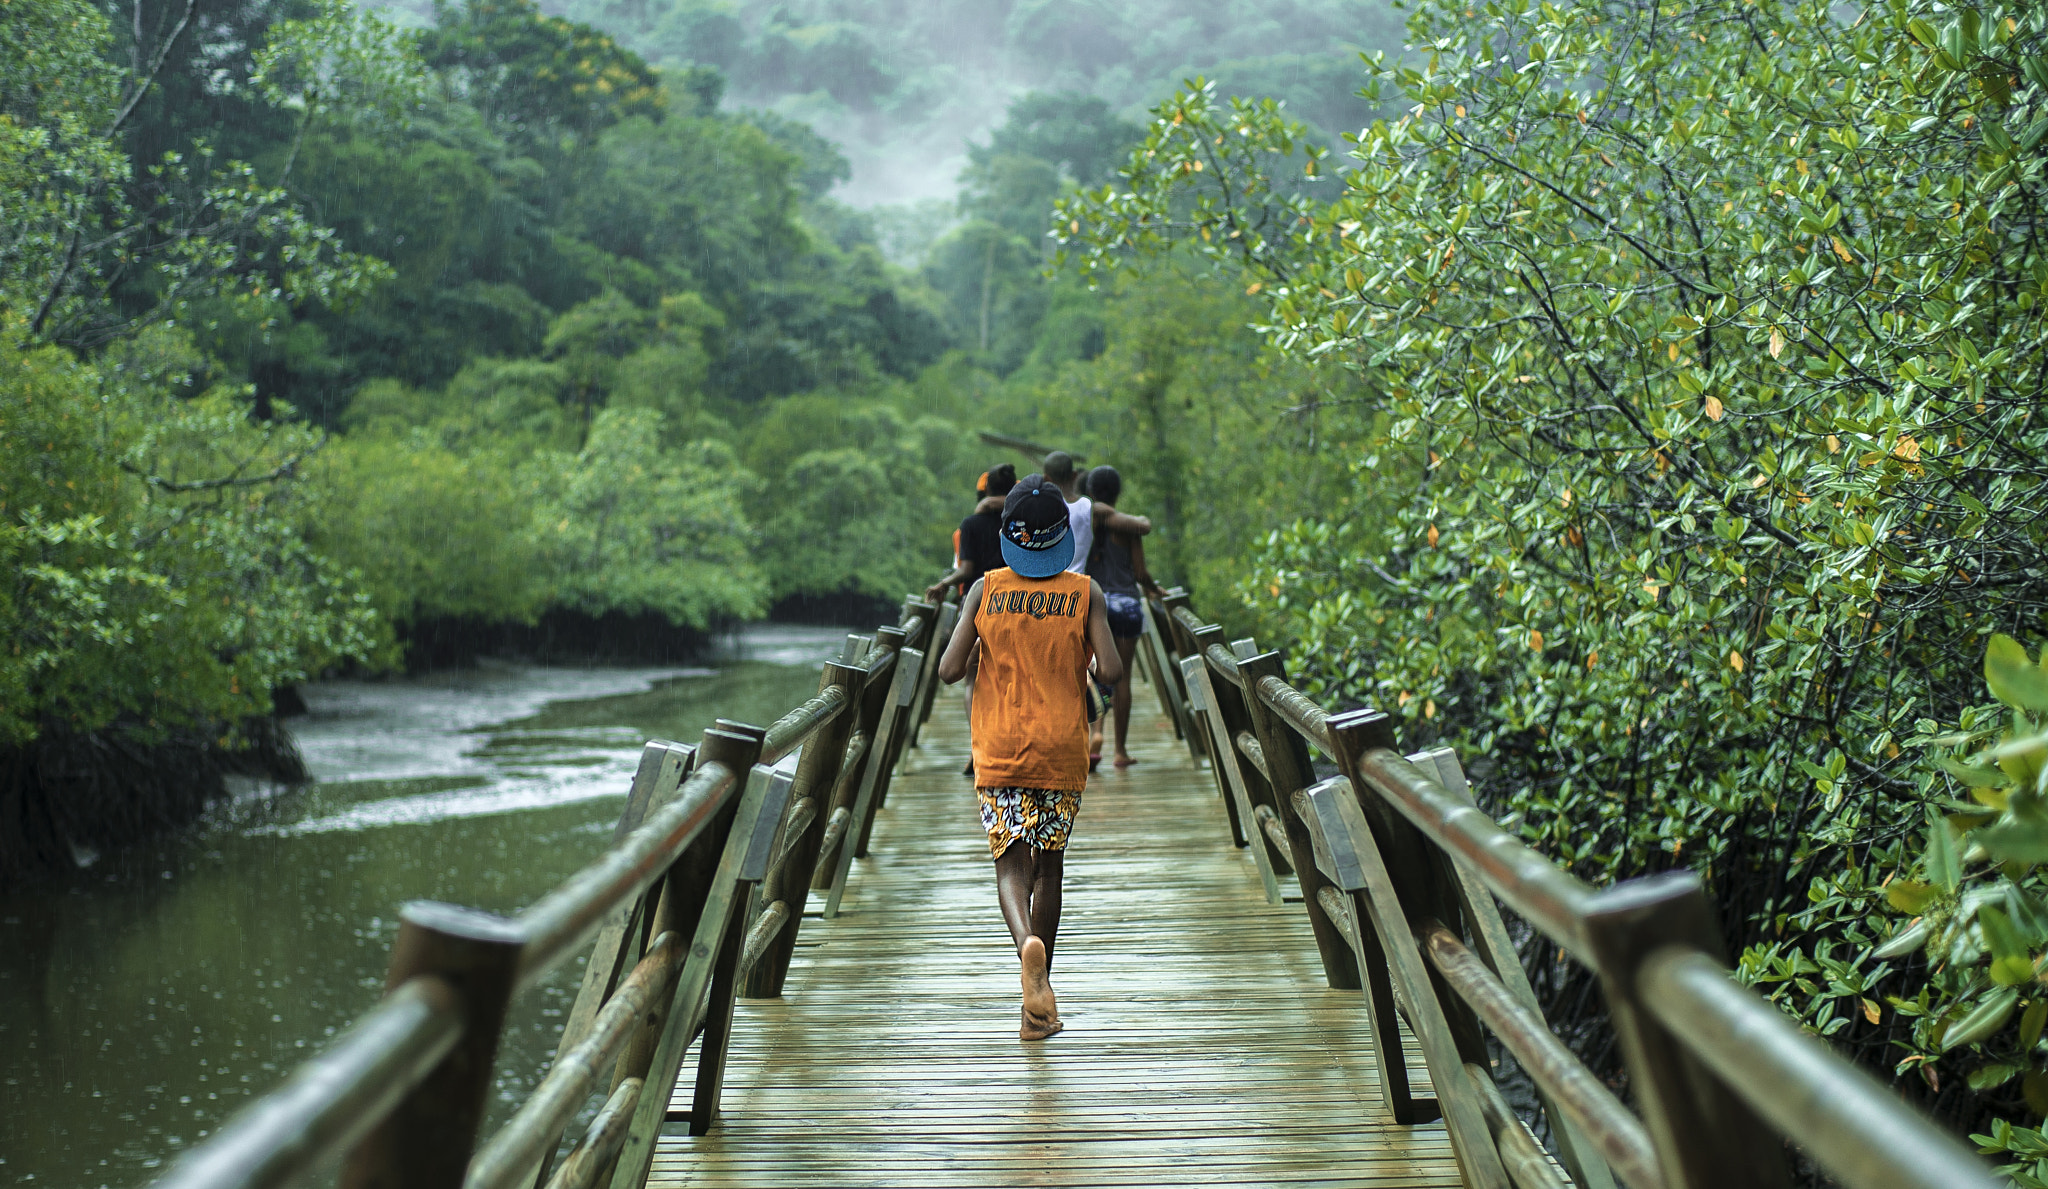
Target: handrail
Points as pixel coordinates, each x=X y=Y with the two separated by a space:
x=1399 y=872
x=555 y=924
x=1223 y=664
x=1309 y=720
x=1547 y=896
x=501 y=1162
x=1769 y=1061
x=788 y=733
x=1619 y=1135
x=702 y=887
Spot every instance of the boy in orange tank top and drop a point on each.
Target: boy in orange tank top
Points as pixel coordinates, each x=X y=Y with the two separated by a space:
x=1034 y=626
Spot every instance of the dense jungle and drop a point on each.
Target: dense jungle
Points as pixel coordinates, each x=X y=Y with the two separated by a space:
x=1640 y=397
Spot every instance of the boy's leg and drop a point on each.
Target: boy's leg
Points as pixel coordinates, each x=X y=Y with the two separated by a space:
x=1016 y=871
x=1045 y=898
x=1020 y=871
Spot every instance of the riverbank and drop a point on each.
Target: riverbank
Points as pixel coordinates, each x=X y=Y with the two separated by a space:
x=144 y=998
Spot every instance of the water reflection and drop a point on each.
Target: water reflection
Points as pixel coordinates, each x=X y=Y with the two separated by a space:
x=144 y=999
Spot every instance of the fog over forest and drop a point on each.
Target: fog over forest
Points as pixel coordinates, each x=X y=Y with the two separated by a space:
x=903 y=85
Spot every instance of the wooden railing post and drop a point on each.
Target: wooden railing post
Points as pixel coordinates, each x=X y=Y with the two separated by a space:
x=895 y=734
x=874 y=781
x=1231 y=718
x=1490 y=940
x=1183 y=644
x=817 y=774
x=875 y=692
x=725 y=971
x=1204 y=707
x=942 y=631
x=427 y=1139
x=1288 y=769
x=698 y=901
x=623 y=939
x=1155 y=648
x=1421 y=872
x=1705 y=1136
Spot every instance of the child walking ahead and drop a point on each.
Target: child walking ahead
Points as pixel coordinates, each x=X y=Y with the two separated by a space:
x=1034 y=626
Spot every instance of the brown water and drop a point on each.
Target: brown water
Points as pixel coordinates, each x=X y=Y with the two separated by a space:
x=146 y=998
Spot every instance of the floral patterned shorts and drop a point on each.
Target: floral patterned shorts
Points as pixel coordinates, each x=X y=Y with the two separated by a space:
x=1039 y=818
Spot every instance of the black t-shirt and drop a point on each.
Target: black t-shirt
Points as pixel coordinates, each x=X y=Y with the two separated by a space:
x=981 y=542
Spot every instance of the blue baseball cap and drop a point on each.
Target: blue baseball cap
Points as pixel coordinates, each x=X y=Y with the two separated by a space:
x=1034 y=535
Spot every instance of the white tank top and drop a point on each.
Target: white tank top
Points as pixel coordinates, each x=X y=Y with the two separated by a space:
x=1081 y=526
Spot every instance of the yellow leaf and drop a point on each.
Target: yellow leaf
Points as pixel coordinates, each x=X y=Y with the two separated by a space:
x=1908 y=448
x=1461 y=111
x=1535 y=641
x=1254 y=287
x=1841 y=250
x=1834 y=444
x=1800 y=165
x=1432 y=536
x=1777 y=342
x=1429 y=708
x=1674 y=352
x=1760 y=480
x=1592 y=658
x=1735 y=660
x=1565 y=498
x=1713 y=408
x=1871 y=1012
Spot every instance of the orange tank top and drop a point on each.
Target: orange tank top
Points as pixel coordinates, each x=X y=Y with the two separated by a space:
x=1030 y=712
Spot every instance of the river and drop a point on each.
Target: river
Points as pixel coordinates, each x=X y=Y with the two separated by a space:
x=151 y=994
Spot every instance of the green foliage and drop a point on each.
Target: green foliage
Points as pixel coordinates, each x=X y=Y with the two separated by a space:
x=541 y=81
x=150 y=581
x=1220 y=442
x=632 y=527
x=858 y=496
x=1704 y=441
x=428 y=532
x=1980 y=909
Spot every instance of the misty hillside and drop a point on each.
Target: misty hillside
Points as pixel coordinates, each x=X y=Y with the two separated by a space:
x=902 y=85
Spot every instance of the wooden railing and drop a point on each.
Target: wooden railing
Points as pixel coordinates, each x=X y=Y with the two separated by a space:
x=1399 y=874
x=697 y=901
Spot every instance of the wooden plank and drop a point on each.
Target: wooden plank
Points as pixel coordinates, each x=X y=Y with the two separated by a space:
x=1202 y=1045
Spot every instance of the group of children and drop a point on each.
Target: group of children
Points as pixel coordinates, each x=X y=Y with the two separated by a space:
x=1034 y=628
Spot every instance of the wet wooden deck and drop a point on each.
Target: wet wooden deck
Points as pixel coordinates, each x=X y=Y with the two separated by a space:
x=1201 y=1046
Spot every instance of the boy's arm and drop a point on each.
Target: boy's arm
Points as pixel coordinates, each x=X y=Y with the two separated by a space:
x=960 y=649
x=963 y=572
x=1109 y=667
x=1116 y=522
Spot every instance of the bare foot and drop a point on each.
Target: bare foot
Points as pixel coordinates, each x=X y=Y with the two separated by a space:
x=1124 y=761
x=1041 y=1010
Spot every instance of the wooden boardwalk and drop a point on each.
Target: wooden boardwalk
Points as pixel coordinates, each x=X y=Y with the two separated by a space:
x=1201 y=1045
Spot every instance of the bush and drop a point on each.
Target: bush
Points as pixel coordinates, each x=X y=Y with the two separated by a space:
x=1705 y=346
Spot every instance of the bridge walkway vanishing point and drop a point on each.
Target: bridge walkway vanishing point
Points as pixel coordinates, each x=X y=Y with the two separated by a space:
x=1202 y=1044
